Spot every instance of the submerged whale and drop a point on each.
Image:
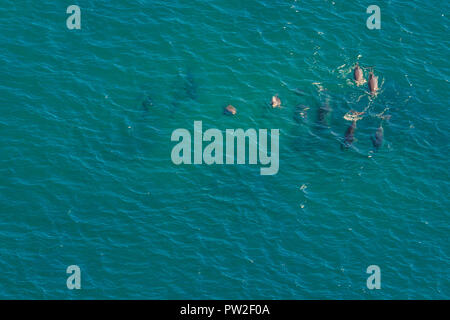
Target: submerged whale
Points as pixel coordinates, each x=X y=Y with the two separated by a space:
x=350 y=135
x=147 y=103
x=322 y=114
x=301 y=112
x=190 y=86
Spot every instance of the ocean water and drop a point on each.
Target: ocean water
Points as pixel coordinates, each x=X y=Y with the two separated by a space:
x=87 y=178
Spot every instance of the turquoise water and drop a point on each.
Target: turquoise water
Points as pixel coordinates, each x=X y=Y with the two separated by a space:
x=87 y=178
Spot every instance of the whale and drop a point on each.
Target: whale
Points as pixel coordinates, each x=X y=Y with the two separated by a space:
x=349 y=136
x=276 y=102
x=358 y=74
x=230 y=110
x=373 y=83
x=378 y=138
